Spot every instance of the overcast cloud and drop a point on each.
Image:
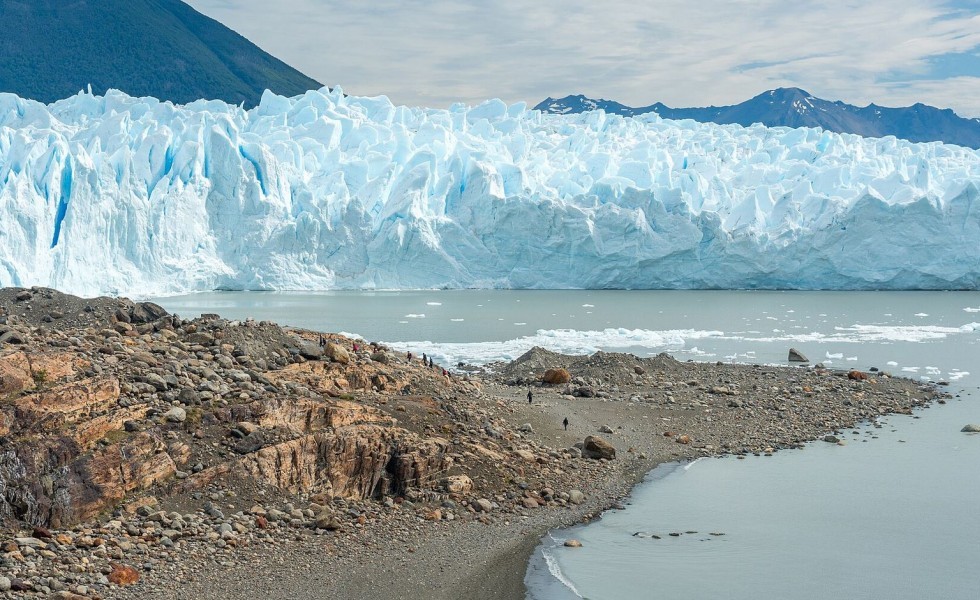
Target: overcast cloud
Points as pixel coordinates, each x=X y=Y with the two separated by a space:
x=436 y=52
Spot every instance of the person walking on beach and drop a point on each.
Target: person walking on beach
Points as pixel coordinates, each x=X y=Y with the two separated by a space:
x=530 y=396
x=565 y=423
x=409 y=356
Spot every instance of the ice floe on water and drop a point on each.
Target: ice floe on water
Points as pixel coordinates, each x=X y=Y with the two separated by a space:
x=565 y=341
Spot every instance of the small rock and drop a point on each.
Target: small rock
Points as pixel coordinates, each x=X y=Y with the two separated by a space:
x=971 y=428
x=573 y=544
x=176 y=415
x=123 y=574
x=576 y=497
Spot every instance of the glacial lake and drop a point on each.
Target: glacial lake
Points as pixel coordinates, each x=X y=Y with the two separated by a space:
x=893 y=514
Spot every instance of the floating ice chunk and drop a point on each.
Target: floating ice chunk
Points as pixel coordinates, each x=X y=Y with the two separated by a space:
x=971 y=309
x=415 y=316
x=835 y=355
x=892 y=363
x=433 y=303
x=922 y=314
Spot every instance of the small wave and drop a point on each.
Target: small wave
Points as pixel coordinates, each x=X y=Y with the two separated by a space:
x=555 y=569
x=693 y=462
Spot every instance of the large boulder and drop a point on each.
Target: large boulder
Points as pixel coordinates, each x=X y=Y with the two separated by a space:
x=971 y=428
x=556 y=376
x=596 y=447
x=337 y=353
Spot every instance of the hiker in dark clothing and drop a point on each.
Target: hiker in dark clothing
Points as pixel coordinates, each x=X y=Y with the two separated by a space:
x=425 y=359
x=565 y=423
x=529 y=395
x=409 y=356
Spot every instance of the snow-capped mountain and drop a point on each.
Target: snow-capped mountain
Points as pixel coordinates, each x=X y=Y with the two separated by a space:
x=793 y=107
x=319 y=191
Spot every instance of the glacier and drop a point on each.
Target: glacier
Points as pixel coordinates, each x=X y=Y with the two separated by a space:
x=113 y=194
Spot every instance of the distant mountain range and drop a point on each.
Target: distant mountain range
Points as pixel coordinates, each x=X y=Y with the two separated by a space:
x=793 y=107
x=51 y=49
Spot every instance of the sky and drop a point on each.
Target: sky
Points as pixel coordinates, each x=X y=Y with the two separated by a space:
x=711 y=52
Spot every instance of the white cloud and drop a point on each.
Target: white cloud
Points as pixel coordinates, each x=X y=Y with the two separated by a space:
x=712 y=52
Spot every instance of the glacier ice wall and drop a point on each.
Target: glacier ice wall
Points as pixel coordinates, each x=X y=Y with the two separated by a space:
x=116 y=194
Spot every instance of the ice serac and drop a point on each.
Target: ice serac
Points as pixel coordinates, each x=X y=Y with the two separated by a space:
x=322 y=191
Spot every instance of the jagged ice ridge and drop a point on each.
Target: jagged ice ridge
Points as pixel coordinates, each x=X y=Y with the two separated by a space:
x=129 y=195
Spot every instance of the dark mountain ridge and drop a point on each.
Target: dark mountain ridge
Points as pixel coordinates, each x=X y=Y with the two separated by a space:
x=793 y=107
x=51 y=49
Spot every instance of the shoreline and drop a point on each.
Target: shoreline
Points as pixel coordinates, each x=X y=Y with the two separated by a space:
x=267 y=464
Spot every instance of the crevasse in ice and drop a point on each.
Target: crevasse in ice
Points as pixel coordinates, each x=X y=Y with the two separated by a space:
x=129 y=195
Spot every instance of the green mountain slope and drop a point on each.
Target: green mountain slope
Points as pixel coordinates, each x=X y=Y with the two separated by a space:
x=51 y=49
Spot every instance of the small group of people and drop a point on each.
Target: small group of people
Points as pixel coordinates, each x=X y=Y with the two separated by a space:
x=530 y=399
x=428 y=362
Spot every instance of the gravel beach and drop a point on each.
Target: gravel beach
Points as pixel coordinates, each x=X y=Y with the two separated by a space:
x=154 y=457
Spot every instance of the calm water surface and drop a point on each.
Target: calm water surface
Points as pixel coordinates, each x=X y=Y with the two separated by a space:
x=893 y=514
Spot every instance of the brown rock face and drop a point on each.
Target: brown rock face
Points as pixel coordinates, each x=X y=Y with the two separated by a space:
x=364 y=461
x=596 y=447
x=556 y=376
x=857 y=375
x=15 y=373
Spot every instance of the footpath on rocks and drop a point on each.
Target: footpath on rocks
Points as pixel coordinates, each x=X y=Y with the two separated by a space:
x=144 y=455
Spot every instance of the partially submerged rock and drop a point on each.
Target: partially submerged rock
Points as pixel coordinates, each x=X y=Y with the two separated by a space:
x=797 y=356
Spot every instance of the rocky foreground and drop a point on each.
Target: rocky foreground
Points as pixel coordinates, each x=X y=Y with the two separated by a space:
x=145 y=455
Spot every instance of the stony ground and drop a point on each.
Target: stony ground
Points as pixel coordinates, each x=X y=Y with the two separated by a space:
x=222 y=459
